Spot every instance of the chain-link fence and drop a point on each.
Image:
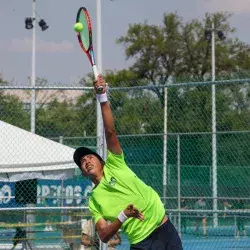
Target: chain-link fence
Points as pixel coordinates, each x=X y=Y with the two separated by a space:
x=193 y=152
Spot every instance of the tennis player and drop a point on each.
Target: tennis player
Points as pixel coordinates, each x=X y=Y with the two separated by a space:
x=120 y=197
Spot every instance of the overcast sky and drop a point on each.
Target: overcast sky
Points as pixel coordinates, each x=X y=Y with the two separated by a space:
x=59 y=58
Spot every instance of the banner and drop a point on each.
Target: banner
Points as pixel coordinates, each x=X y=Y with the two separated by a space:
x=50 y=193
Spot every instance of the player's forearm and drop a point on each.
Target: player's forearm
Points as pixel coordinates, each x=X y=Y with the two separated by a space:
x=107 y=231
x=113 y=144
x=108 y=120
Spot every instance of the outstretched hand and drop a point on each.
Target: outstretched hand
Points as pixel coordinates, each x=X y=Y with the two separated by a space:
x=132 y=211
x=100 y=84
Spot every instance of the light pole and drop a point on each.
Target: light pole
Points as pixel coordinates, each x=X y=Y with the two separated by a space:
x=166 y=171
x=100 y=131
x=30 y=24
x=210 y=36
x=101 y=142
x=33 y=73
x=214 y=139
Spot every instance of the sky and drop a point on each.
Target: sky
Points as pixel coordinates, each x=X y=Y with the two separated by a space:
x=58 y=55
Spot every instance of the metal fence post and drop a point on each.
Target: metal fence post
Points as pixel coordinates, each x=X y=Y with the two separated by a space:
x=179 y=180
x=165 y=148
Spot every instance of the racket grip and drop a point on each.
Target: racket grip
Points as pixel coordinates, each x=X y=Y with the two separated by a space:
x=96 y=74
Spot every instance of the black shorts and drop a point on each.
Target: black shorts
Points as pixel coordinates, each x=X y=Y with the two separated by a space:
x=164 y=237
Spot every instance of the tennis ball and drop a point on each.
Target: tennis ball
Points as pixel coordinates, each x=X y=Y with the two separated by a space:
x=78 y=27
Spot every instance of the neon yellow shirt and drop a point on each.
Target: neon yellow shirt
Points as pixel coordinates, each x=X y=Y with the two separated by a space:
x=120 y=187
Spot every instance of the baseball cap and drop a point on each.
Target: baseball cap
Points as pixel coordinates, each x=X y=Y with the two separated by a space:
x=82 y=151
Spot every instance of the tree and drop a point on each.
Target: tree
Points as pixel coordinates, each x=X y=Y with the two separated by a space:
x=11 y=111
x=67 y=116
x=2 y=81
x=177 y=51
x=44 y=97
x=56 y=119
x=11 y=108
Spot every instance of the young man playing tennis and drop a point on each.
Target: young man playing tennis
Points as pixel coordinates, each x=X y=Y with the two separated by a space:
x=120 y=196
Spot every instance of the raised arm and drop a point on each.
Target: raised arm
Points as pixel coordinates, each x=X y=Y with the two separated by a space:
x=113 y=144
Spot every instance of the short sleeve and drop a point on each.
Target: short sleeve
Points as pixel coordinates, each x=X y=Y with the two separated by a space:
x=93 y=207
x=114 y=161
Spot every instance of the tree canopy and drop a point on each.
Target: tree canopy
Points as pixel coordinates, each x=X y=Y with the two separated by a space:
x=177 y=48
x=174 y=51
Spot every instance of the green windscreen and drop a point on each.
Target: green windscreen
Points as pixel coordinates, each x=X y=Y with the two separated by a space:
x=85 y=32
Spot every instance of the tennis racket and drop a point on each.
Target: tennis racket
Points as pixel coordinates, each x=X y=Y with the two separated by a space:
x=85 y=40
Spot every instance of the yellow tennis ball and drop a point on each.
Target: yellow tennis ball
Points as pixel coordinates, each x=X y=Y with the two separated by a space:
x=78 y=27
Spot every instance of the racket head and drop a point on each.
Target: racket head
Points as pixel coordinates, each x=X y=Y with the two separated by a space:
x=85 y=36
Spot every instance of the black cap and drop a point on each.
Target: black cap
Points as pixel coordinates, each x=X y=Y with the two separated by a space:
x=82 y=151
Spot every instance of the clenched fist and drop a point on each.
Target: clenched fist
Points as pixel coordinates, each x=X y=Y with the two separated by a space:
x=132 y=211
x=100 y=85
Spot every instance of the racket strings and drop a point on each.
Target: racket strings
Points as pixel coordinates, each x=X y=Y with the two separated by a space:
x=85 y=34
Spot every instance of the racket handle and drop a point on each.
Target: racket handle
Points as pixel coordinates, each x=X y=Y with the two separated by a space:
x=96 y=74
x=95 y=70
